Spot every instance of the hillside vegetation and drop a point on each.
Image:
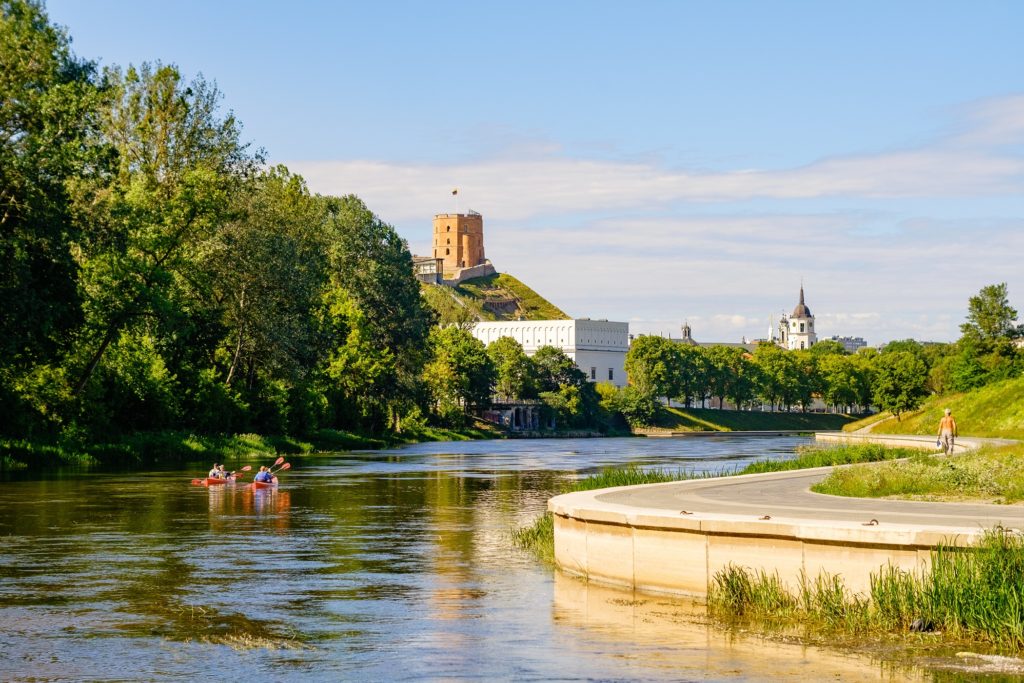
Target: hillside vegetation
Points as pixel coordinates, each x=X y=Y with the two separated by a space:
x=503 y=297
x=710 y=420
x=996 y=410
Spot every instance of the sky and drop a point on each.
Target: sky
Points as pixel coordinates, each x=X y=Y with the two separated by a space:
x=649 y=162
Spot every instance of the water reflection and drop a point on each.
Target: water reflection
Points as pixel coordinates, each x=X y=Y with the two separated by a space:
x=375 y=566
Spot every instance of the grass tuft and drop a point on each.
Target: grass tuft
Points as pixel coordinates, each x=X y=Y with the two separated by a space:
x=974 y=594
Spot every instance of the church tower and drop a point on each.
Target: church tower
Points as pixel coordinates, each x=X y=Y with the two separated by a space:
x=797 y=331
x=459 y=240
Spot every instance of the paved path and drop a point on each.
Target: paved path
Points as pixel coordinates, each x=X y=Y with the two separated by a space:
x=785 y=497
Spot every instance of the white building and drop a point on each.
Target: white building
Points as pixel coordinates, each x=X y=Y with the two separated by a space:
x=797 y=332
x=597 y=346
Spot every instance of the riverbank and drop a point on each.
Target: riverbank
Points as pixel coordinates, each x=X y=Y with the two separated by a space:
x=143 y=449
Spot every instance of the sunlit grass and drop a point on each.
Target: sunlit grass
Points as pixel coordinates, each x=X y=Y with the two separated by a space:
x=831 y=455
x=974 y=594
x=991 y=474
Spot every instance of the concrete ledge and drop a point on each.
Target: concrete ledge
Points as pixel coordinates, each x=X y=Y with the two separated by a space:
x=675 y=537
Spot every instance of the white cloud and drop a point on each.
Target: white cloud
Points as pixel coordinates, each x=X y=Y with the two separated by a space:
x=628 y=241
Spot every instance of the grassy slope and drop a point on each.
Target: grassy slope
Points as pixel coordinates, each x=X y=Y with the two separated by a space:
x=996 y=410
x=710 y=420
x=532 y=306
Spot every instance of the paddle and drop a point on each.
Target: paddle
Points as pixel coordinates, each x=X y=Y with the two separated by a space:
x=286 y=466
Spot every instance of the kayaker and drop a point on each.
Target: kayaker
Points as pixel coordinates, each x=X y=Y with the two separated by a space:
x=223 y=474
x=215 y=473
x=263 y=475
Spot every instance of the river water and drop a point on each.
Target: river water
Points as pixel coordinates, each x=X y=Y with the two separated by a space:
x=385 y=565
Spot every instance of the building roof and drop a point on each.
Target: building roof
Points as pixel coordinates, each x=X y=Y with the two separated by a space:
x=801 y=310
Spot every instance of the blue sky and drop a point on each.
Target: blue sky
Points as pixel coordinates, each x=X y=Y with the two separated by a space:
x=651 y=161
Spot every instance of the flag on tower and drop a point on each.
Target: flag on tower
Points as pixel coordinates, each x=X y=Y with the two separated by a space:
x=455 y=191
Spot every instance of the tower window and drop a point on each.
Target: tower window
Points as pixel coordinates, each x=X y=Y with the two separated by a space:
x=448 y=228
x=447 y=252
x=801 y=327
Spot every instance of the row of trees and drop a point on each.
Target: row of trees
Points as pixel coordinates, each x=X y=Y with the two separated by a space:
x=895 y=378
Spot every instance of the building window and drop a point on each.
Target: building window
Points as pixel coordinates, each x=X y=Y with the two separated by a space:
x=801 y=327
x=593 y=372
x=801 y=345
x=447 y=252
x=448 y=228
x=611 y=374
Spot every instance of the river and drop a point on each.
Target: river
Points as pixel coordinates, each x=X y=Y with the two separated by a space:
x=384 y=565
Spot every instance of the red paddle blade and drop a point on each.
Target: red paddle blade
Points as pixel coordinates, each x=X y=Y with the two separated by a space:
x=246 y=468
x=278 y=461
x=197 y=482
x=286 y=466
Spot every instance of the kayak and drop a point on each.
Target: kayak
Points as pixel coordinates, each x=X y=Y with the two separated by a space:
x=265 y=484
x=213 y=481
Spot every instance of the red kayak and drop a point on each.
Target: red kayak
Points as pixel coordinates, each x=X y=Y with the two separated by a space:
x=265 y=484
x=213 y=481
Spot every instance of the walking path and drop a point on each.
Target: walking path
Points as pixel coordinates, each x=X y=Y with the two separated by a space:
x=769 y=521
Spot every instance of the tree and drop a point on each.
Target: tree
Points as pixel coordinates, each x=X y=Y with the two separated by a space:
x=989 y=315
x=840 y=376
x=459 y=375
x=176 y=164
x=899 y=383
x=827 y=347
x=372 y=263
x=515 y=371
x=268 y=270
x=564 y=388
x=49 y=103
x=654 y=368
x=777 y=372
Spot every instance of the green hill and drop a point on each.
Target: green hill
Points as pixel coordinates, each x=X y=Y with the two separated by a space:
x=711 y=420
x=495 y=297
x=996 y=410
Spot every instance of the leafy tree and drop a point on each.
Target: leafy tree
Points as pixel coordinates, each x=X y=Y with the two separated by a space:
x=177 y=162
x=49 y=103
x=459 y=375
x=777 y=375
x=515 y=371
x=654 y=367
x=827 y=347
x=899 y=383
x=989 y=315
x=689 y=371
x=372 y=263
x=564 y=388
x=841 y=379
x=268 y=271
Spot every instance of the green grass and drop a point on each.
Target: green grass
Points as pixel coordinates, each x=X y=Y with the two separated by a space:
x=866 y=421
x=990 y=475
x=996 y=410
x=532 y=306
x=825 y=456
x=968 y=594
x=711 y=420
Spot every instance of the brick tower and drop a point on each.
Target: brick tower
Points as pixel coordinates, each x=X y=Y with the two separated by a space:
x=459 y=240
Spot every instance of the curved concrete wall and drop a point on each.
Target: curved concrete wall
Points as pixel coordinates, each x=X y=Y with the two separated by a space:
x=680 y=552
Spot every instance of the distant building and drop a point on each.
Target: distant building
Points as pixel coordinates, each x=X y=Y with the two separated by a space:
x=459 y=240
x=598 y=347
x=851 y=344
x=428 y=269
x=797 y=331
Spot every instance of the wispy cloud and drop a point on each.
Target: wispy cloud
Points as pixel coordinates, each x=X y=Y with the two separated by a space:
x=635 y=240
x=976 y=159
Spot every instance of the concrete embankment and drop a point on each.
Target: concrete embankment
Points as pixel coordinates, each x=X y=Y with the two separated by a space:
x=674 y=537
